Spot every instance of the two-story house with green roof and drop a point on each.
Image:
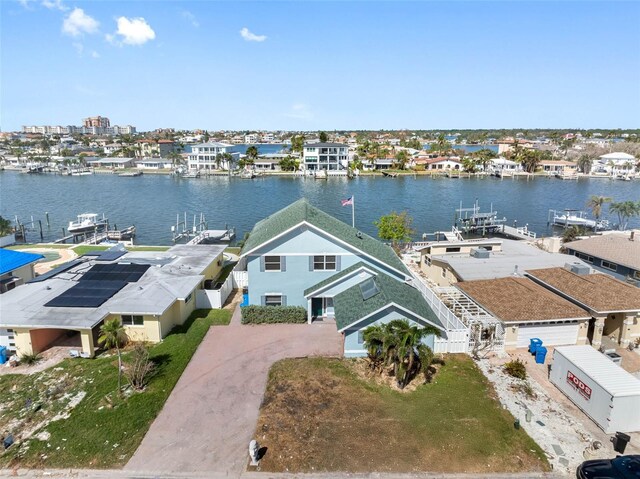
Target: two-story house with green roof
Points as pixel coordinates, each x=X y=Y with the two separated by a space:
x=302 y=256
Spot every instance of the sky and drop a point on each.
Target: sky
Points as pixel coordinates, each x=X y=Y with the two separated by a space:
x=320 y=65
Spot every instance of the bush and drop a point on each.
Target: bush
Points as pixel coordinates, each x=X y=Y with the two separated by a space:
x=30 y=359
x=139 y=369
x=516 y=369
x=273 y=314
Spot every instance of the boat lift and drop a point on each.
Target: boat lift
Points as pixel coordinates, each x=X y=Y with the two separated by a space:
x=571 y=217
x=472 y=220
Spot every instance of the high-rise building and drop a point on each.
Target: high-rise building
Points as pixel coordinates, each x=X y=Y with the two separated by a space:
x=99 y=121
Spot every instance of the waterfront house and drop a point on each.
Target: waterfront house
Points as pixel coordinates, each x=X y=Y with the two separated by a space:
x=443 y=163
x=154 y=164
x=527 y=310
x=615 y=163
x=325 y=156
x=206 y=156
x=499 y=165
x=301 y=256
x=613 y=306
x=154 y=148
x=562 y=167
x=113 y=163
x=111 y=148
x=448 y=262
x=149 y=292
x=615 y=253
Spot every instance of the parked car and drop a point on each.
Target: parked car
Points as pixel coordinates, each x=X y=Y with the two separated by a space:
x=622 y=467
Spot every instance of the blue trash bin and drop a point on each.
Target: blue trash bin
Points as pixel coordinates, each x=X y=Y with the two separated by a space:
x=534 y=344
x=541 y=354
x=3 y=354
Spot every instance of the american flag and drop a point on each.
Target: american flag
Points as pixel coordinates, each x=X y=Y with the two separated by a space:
x=347 y=202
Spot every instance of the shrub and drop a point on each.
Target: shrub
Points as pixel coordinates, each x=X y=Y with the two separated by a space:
x=273 y=314
x=516 y=369
x=139 y=369
x=30 y=359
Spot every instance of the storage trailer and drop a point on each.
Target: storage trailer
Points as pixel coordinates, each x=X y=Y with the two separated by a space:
x=604 y=391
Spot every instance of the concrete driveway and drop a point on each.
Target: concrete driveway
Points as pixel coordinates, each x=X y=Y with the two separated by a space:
x=210 y=417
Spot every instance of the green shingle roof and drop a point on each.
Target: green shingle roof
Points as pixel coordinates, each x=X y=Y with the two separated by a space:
x=294 y=214
x=335 y=277
x=351 y=307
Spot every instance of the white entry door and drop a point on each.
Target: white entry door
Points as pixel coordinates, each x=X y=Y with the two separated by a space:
x=551 y=334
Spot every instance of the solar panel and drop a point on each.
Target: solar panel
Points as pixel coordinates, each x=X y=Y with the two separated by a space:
x=93 y=253
x=87 y=294
x=60 y=269
x=368 y=288
x=110 y=255
x=115 y=272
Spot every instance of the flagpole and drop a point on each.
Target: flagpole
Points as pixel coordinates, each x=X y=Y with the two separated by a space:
x=353 y=210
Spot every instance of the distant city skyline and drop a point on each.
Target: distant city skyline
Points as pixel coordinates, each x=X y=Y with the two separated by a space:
x=321 y=65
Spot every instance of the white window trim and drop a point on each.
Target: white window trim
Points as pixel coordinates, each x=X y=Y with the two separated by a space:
x=324 y=262
x=132 y=325
x=279 y=270
x=266 y=295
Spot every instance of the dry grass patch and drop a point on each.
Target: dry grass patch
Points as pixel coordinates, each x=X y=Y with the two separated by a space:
x=319 y=415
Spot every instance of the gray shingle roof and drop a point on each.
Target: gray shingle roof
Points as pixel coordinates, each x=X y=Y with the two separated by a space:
x=294 y=214
x=351 y=307
x=614 y=247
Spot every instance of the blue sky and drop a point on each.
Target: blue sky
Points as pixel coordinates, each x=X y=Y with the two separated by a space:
x=321 y=65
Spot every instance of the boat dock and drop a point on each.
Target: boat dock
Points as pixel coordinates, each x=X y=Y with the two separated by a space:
x=222 y=236
x=517 y=233
x=97 y=237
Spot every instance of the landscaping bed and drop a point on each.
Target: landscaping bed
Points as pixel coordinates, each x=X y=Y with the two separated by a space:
x=72 y=414
x=318 y=415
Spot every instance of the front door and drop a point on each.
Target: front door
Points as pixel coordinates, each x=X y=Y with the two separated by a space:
x=317 y=307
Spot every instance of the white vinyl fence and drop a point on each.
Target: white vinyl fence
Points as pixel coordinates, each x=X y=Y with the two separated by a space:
x=214 y=298
x=240 y=279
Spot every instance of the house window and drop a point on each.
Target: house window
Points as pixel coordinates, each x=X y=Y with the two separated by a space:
x=443 y=272
x=272 y=263
x=609 y=265
x=636 y=275
x=453 y=249
x=273 y=300
x=361 y=337
x=585 y=257
x=324 y=263
x=132 y=320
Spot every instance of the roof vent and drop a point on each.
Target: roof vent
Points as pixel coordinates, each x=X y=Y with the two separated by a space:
x=358 y=235
x=480 y=253
x=632 y=235
x=578 y=268
x=515 y=271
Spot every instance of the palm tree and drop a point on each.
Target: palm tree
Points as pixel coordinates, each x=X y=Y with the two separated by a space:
x=572 y=233
x=595 y=203
x=113 y=335
x=585 y=162
x=469 y=164
x=401 y=159
x=625 y=210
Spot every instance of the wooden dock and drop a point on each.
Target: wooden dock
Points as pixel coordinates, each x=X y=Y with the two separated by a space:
x=99 y=236
x=517 y=233
x=223 y=236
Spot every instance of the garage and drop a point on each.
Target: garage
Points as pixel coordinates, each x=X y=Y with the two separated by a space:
x=551 y=334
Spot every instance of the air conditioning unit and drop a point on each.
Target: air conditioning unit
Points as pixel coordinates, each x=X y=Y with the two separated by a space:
x=480 y=253
x=10 y=283
x=578 y=268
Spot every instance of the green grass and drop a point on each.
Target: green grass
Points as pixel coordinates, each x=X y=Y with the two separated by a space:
x=454 y=424
x=80 y=250
x=97 y=434
x=233 y=249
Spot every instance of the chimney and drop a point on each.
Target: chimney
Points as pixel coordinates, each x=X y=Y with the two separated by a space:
x=632 y=235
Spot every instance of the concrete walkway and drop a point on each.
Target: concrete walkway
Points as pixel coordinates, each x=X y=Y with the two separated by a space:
x=210 y=417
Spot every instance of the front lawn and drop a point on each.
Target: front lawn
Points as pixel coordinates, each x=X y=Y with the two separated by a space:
x=102 y=430
x=318 y=415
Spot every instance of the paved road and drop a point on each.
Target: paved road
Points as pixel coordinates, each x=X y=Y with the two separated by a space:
x=209 y=418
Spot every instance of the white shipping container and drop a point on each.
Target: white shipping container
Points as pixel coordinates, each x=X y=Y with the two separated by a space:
x=604 y=391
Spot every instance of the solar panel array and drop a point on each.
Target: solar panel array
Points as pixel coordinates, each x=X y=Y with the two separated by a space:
x=99 y=284
x=111 y=255
x=115 y=272
x=87 y=294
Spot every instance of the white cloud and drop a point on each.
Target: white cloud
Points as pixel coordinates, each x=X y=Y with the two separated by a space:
x=301 y=111
x=131 y=31
x=26 y=3
x=191 y=18
x=251 y=37
x=95 y=54
x=78 y=22
x=55 y=5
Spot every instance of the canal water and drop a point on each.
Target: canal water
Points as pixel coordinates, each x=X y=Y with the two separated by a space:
x=151 y=202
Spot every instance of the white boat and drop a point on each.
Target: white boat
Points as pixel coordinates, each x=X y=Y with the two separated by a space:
x=81 y=172
x=320 y=175
x=577 y=218
x=194 y=174
x=87 y=222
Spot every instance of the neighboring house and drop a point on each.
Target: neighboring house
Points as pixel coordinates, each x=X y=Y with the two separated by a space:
x=614 y=163
x=204 y=156
x=528 y=310
x=442 y=163
x=269 y=161
x=302 y=256
x=508 y=144
x=114 y=163
x=111 y=148
x=613 y=306
x=557 y=166
x=502 y=164
x=149 y=292
x=154 y=148
x=154 y=164
x=325 y=156
x=449 y=262
x=614 y=253
x=16 y=268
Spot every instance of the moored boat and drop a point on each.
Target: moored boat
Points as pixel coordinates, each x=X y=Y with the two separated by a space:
x=87 y=222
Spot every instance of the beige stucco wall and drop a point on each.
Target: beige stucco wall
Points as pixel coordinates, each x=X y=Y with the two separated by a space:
x=613 y=326
x=29 y=341
x=213 y=270
x=438 y=273
x=25 y=272
x=22 y=338
x=583 y=329
x=510 y=336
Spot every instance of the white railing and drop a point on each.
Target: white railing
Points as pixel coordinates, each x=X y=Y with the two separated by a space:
x=214 y=298
x=240 y=279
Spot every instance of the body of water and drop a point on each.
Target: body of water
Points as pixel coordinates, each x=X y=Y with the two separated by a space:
x=151 y=202
x=469 y=148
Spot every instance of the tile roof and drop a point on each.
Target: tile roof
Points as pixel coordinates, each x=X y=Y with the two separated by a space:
x=11 y=260
x=516 y=299
x=301 y=211
x=614 y=247
x=598 y=292
x=350 y=306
